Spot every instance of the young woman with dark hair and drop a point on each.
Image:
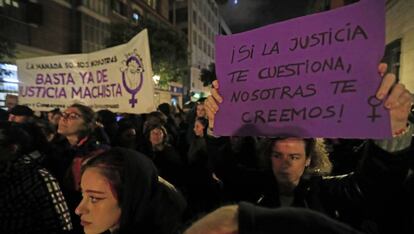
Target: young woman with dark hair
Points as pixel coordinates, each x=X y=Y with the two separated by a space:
x=78 y=144
x=168 y=161
x=123 y=193
x=202 y=190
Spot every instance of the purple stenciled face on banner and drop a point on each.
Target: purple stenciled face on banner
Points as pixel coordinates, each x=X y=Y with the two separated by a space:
x=133 y=76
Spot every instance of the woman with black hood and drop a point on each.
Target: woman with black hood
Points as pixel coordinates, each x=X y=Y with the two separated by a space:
x=123 y=193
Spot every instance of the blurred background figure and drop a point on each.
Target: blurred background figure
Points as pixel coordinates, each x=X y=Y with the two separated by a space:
x=21 y=114
x=165 y=157
x=109 y=124
x=54 y=116
x=203 y=190
x=11 y=101
x=30 y=197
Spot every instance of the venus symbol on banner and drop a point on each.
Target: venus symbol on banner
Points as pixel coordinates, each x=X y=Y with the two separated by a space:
x=132 y=75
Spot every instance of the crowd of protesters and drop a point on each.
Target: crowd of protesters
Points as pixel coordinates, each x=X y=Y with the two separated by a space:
x=77 y=170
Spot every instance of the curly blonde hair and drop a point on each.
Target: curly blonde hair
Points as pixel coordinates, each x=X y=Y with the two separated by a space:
x=315 y=148
x=320 y=163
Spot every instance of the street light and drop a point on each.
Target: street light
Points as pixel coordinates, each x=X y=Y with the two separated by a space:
x=156 y=79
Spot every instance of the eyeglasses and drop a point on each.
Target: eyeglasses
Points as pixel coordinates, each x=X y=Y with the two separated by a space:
x=71 y=116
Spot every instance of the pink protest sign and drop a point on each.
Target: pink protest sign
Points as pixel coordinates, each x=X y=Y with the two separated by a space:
x=314 y=76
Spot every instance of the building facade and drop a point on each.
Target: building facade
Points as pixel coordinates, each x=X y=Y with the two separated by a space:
x=399 y=35
x=201 y=21
x=51 y=27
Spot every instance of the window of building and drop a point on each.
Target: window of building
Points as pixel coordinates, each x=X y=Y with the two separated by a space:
x=12 y=3
x=184 y=30
x=9 y=84
x=181 y=15
x=100 y=7
x=94 y=34
x=194 y=37
x=200 y=42
x=152 y=4
x=119 y=7
x=194 y=17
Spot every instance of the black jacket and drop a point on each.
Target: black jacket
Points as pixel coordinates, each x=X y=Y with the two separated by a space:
x=347 y=198
x=253 y=220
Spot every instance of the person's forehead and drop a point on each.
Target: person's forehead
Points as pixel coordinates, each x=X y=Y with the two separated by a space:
x=157 y=130
x=10 y=97
x=72 y=110
x=92 y=179
x=290 y=142
x=198 y=122
x=11 y=100
x=21 y=116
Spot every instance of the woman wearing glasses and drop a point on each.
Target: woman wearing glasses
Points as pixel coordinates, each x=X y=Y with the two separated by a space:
x=76 y=126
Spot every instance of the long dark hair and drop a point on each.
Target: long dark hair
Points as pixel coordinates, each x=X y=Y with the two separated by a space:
x=147 y=205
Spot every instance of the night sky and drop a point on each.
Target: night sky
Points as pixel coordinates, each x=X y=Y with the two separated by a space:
x=249 y=14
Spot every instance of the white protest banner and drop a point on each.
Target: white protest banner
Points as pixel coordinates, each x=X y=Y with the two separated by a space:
x=117 y=78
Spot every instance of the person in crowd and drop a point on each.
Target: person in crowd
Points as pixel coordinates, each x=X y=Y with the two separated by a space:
x=344 y=154
x=164 y=155
x=30 y=197
x=198 y=111
x=48 y=129
x=154 y=118
x=203 y=190
x=170 y=125
x=198 y=144
x=4 y=116
x=21 y=114
x=109 y=124
x=180 y=119
x=294 y=179
x=246 y=218
x=127 y=135
x=77 y=126
x=123 y=193
x=11 y=101
x=54 y=116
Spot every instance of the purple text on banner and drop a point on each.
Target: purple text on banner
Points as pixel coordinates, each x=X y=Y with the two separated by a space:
x=314 y=76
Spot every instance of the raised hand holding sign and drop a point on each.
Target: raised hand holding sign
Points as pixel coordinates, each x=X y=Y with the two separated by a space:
x=314 y=76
